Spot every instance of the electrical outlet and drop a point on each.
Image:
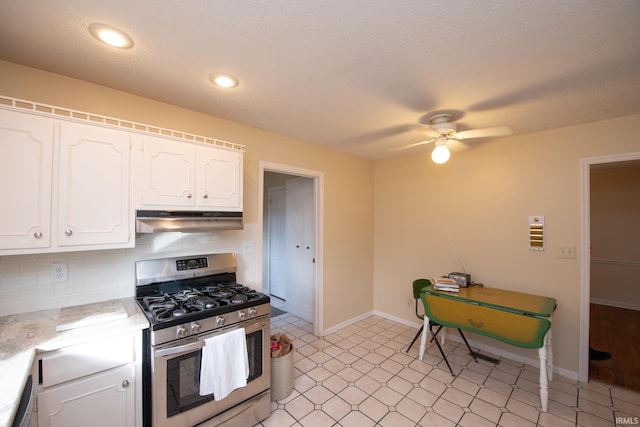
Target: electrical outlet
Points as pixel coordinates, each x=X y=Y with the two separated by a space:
x=248 y=247
x=60 y=272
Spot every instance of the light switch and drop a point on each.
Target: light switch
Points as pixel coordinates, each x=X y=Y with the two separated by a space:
x=568 y=252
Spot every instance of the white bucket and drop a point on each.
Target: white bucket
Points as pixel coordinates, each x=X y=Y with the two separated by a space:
x=282 y=375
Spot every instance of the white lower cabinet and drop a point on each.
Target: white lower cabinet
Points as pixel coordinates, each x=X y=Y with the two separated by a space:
x=101 y=400
x=93 y=384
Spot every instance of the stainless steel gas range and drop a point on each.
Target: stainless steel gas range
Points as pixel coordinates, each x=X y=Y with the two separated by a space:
x=189 y=301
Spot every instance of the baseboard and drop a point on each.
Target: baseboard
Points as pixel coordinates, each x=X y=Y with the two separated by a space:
x=398 y=319
x=347 y=323
x=298 y=311
x=616 y=304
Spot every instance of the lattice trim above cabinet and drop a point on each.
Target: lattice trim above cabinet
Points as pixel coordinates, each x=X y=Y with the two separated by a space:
x=66 y=113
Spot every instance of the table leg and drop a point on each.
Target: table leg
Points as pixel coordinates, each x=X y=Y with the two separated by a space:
x=547 y=340
x=423 y=339
x=544 y=384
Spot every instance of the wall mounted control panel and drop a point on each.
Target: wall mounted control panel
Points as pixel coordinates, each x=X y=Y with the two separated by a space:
x=536 y=233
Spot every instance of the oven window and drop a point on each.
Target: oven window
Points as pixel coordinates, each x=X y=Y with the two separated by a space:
x=183 y=384
x=255 y=352
x=183 y=376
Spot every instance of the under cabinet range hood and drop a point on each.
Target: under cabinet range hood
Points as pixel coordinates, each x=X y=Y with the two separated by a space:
x=187 y=221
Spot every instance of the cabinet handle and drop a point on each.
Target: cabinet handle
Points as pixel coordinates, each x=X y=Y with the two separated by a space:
x=205 y=195
x=188 y=195
x=37 y=235
x=68 y=233
x=125 y=383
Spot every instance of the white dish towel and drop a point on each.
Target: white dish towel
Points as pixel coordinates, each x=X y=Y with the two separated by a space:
x=225 y=364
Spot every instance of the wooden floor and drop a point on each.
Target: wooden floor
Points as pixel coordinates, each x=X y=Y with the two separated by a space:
x=617 y=331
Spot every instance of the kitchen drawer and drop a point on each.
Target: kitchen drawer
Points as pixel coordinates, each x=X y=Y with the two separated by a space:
x=81 y=360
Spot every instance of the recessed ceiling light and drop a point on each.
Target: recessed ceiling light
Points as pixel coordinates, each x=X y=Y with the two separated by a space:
x=226 y=81
x=111 y=36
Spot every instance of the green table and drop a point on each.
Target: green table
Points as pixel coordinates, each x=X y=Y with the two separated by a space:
x=519 y=319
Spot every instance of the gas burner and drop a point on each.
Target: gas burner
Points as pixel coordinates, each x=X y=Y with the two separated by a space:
x=238 y=299
x=179 y=312
x=222 y=294
x=185 y=294
x=206 y=303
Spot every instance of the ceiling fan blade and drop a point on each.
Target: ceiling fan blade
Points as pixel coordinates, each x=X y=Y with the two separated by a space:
x=427 y=130
x=484 y=133
x=406 y=147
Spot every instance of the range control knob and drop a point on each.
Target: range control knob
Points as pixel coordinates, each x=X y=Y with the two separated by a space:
x=195 y=328
x=252 y=312
x=219 y=321
x=242 y=315
x=181 y=331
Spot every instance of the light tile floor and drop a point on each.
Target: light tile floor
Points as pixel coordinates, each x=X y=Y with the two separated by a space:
x=360 y=376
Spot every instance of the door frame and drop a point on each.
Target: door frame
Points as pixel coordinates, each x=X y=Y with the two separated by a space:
x=318 y=194
x=585 y=253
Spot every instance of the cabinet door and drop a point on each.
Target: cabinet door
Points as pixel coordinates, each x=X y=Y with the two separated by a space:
x=168 y=173
x=101 y=400
x=219 y=178
x=26 y=157
x=93 y=189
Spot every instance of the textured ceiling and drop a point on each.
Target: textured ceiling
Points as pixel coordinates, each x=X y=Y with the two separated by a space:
x=354 y=75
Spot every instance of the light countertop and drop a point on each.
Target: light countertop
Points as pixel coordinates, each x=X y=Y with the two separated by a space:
x=22 y=336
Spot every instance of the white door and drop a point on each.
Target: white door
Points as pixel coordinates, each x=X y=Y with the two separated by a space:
x=300 y=247
x=277 y=243
x=26 y=156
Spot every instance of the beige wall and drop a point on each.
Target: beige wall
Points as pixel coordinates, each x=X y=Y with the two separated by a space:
x=348 y=239
x=480 y=201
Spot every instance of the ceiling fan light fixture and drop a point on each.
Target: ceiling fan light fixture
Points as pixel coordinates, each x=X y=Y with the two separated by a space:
x=111 y=36
x=441 y=153
x=226 y=81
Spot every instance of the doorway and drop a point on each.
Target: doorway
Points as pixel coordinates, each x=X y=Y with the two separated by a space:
x=604 y=268
x=290 y=216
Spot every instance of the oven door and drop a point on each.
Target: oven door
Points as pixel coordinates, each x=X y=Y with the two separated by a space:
x=176 y=377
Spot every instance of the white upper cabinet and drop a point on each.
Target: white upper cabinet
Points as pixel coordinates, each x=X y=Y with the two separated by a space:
x=93 y=195
x=168 y=173
x=219 y=178
x=185 y=176
x=72 y=183
x=66 y=183
x=26 y=158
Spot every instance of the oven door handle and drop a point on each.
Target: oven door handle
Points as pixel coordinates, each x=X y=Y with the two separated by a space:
x=180 y=349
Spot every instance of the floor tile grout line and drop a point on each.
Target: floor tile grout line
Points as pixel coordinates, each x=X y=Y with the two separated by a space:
x=394 y=354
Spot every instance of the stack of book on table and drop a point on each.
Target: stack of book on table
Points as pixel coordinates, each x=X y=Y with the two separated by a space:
x=445 y=284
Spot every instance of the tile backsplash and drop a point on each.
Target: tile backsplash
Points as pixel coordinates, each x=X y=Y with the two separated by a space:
x=26 y=285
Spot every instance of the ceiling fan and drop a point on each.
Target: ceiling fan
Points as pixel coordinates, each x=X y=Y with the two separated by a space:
x=441 y=130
